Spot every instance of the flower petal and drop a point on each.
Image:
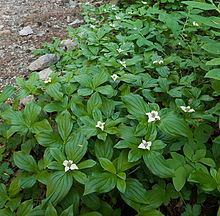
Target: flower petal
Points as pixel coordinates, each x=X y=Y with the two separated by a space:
x=65 y=163
x=67 y=168
x=142 y=146
x=73 y=167
x=151 y=119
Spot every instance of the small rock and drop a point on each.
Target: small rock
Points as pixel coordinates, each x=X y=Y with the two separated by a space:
x=68 y=19
x=40 y=33
x=1 y=53
x=26 y=99
x=5 y=32
x=68 y=44
x=43 y=62
x=1 y=27
x=77 y=21
x=44 y=74
x=72 y=4
x=26 y=31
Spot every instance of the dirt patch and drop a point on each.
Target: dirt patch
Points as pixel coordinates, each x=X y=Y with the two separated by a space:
x=47 y=18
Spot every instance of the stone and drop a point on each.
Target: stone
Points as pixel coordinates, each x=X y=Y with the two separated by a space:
x=44 y=74
x=72 y=4
x=26 y=100
x=1 y=27
x=76 y=21
x=43 y=62
x=1 y=53
x=5 y=32
x=68 y=44
x=26 y=31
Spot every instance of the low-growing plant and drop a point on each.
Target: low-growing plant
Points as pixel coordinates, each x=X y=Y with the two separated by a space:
x=128 y=122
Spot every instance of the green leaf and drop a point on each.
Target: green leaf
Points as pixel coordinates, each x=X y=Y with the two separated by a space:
x=50 y=211
x=135 y=105
x=180 y=177
x=92 y=201
x=25 y=162
x=80 y=177
x=158 y=145
x=13 y=129
x=213 y=74
x=27 y=181
x=104 y=149
x=58 y=186
x=53 y=90
x=86 y=164
x=40 y=126
x=65 y=125
x=25 y=208
x=215 y=61
x=206 y=181
x=3 y=195
x=54 y=107
x=6 y=93
x=136 y=59
x=31 y=113
x=84 y=91
x=107 y=165
x=122 y=162
x=99 y=79
x=106 y=90
x=121 y=185
x=68 y=212
x=157 y=165
x=94 y=102
x=135 y=192
x=208 y=161
x=94 y=213
x=200 y=5
x=174 y=125
x=76 y=147
x=15 y=118
x=213 y=48
x=48 y=139
x=57 y=154
x=100 y=182
x=134 y=155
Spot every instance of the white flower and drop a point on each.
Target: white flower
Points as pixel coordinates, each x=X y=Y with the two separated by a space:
x=187 y=109
x=100 y=125
x=114 y=77
x=123 y=63
x=69 y=165
x=143 y=2
x=92 y=26
x=114 y=7
x=120 y=50
x=153 y=116
x=117 y=17
x=47 y=80
x=145 y=145
x=112 y=25
x=195 y=23
x=158 y=62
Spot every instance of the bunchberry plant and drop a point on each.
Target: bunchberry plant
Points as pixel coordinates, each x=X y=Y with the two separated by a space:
x=127 y=123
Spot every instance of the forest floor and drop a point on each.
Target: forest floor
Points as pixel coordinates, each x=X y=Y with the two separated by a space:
x=47 y=19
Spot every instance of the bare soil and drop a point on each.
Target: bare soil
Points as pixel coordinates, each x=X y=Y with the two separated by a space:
x=47 y=18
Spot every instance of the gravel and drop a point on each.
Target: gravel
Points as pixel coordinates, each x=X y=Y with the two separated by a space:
x=40 y=21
